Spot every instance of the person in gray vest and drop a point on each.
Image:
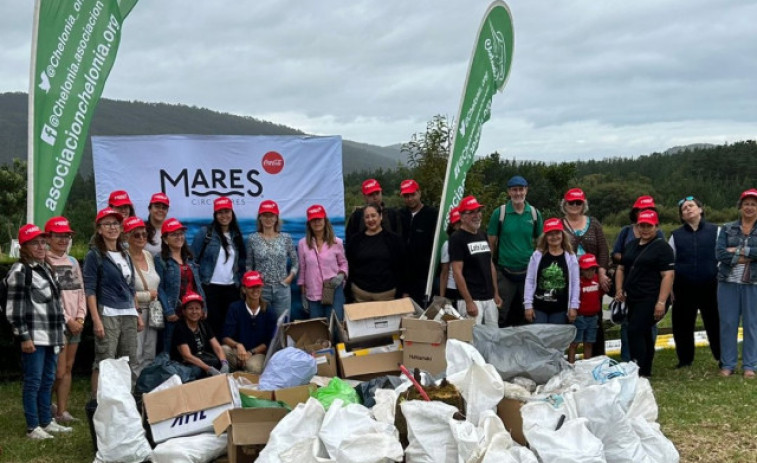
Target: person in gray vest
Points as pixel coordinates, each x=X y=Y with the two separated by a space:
x=512 y=232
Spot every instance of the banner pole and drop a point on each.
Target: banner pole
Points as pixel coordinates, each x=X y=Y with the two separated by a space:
x=30 y=124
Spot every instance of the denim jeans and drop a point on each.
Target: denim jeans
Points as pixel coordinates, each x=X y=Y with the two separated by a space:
x=279 y=296
x=557 y=318
x=737 y=301
x=317 y=309
x=39 y=375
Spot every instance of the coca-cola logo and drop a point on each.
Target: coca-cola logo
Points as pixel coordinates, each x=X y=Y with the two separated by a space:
x=273 y=162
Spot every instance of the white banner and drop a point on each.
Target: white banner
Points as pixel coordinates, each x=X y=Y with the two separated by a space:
x=194 y=170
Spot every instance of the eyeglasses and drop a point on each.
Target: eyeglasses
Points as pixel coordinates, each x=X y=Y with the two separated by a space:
x=139 y=235
x=37 y=243
x=110 y=224
x=576 y=202
x=477 y=211
x=688 y=198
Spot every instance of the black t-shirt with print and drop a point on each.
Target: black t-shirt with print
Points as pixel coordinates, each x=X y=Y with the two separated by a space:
x=198 y=341
x=551 y=294
x=473 y=250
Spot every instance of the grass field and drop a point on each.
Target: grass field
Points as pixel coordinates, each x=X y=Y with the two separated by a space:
x=709 y=418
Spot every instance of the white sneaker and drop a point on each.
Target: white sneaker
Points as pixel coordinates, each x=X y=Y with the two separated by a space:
x=38 y=433
x=55 y=427
x=65 y=418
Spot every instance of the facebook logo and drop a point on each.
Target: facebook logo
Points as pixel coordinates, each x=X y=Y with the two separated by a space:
x=48 y=135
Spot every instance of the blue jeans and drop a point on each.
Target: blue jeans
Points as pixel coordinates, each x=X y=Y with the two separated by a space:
x=319 y=310
x=39 y=375
x=625 y=351
x=737 y=301
x=557 y=318
x=278 y=296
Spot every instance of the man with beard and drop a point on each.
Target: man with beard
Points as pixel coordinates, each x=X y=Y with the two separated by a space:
x=472 y=266
x=512 y=232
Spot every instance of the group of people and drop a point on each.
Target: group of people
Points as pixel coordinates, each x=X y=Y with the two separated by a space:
x=213 y=304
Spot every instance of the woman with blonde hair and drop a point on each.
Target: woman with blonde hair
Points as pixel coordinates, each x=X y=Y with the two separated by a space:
x=552 y=293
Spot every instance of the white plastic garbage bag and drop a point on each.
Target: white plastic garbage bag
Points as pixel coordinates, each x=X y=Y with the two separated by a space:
x=386 y=403
x=369 y=448
x=657 y=447
x=300 y=424
x=573 y=442
x=460 y=356
x=644 y=404
x=306 y=451
x=469 y=439
x=202 y=448
x=354 y=420
x=481 y=387
x=118 y=425
x=428 y=431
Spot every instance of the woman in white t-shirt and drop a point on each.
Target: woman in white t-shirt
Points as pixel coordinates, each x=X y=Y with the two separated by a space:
x=447 y=287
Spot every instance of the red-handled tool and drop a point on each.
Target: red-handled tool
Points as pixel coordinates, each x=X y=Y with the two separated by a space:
x=417 y=385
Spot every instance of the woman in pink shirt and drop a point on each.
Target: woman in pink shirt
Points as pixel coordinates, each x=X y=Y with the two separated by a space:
x=322 y=259
x=69 y=275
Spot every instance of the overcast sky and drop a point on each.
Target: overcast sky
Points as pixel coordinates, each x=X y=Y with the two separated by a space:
x=590 y=79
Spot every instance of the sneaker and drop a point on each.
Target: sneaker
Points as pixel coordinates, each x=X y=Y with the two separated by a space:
x=38 y=433
x=65 y=418
x=55 y=427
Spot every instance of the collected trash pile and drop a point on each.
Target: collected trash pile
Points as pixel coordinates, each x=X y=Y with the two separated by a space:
x=544 y=410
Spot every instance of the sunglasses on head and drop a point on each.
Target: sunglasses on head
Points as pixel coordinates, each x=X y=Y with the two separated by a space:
x=688 y=198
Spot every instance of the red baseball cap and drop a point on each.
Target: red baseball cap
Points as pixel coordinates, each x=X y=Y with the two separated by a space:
x=316 y=211
x=409 y=186
x=251 y=279
x=268 y=206
x=160 y=198
x=222 y=203
x=469 y=203
x=649 y=217
x=371 y=186
x=575 y=194
x=28 y=232
x=643 y=202
x=587 y=261
x=454 y=215
x=58 y=225
x=170 y=226
x=191 y=297
x=107 y=212
x=552 y=225
x=119 y=198
x=130 y=223
x=750 y=192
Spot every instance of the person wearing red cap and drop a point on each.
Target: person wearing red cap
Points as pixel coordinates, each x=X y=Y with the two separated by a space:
x=157 y=213
x=418 y=228
x=472 y=266
x=447 y=287
x=372 y=195
x=221 y=255
x=272 y=253
x=37 y=324
x=109 y=286
x=322 y=262
x=644 y=281
x=696 y=284
x=587 y=236
x=194 y=343
x=628 y=234
x=512 y=232
x=146 y=286
x=119 y=201
x=552 y=291
x=249 y=327
x=737 y=287
x=71 y=282
x=590 y=306
x=178 y=274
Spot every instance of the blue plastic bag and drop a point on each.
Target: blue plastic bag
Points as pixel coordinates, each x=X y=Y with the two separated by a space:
x=288 y=367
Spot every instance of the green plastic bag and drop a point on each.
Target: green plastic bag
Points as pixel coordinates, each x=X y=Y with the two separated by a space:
x=249 y=401
x=336 y=389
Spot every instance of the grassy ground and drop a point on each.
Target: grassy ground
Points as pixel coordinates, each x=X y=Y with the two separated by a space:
x=710 y=419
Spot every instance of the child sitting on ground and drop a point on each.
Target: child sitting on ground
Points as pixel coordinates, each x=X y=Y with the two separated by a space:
x=590 y=307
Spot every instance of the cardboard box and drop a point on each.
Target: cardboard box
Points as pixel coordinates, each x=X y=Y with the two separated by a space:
x=366 y=319
x=246 y=426
x=314 y=336
x=187 y=409
x=509 y=411
x=363 y=359
x=425 y=341
x=290 y=396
